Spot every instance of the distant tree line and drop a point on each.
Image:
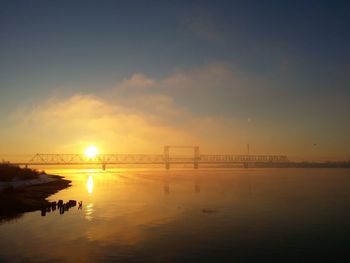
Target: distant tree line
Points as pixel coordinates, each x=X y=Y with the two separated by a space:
x=300 y=165
x=286 y=165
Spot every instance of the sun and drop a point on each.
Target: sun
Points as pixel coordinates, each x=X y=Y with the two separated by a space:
x=91 y=152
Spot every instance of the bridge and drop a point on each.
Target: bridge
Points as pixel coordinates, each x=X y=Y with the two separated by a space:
x=159 y=159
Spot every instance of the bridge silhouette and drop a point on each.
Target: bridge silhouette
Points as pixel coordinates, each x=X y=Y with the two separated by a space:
x=165 y=159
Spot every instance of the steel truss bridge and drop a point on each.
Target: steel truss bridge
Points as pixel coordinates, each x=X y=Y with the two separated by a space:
x=159 y=159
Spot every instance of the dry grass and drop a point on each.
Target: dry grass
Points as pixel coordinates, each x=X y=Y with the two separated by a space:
x=10 y=172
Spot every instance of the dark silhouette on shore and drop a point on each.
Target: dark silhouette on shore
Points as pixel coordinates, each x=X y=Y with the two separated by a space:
x=10 y=172
x=16 y=201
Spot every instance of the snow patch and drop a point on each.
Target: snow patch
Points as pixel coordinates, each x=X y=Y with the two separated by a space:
x=42 y=179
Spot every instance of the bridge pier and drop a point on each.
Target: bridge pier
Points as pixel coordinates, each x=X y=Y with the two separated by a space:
x=196 y=157
x=166 y=157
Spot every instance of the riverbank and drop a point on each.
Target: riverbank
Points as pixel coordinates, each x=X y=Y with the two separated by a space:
x=14 y=201
x=39 y=179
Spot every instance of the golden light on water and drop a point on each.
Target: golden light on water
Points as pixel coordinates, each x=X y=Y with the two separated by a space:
x=89 y=211
x=91 y=152
x=90 y=184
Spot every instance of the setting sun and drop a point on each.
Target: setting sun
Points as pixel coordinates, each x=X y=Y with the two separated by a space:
x=91 y=151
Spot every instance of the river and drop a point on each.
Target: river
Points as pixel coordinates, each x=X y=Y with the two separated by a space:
x=212 y=215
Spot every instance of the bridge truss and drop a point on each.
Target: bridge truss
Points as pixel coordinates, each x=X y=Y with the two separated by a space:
x=160 y=159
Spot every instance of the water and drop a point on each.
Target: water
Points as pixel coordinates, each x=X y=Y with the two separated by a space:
x=241 y=215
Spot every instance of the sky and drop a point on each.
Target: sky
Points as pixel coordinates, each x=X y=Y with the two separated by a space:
x=132 y=76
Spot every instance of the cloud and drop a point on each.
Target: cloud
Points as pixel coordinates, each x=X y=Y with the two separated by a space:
x=200 y=84
x=137 y=80
x=209 y=76
x=209 y=106
x=71 y=123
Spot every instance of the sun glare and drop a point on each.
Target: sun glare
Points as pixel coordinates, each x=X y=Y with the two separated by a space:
x=91 y=152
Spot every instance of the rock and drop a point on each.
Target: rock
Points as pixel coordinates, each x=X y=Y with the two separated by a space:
x=43 y=212
x=72 y=203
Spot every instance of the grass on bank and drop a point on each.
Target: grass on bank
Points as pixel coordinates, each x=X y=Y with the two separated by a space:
x=10 y=172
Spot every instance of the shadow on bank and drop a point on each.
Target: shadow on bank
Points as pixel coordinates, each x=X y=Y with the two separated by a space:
x=14 y=201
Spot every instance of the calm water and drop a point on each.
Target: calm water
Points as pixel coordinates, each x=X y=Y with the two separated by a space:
x=241 y=215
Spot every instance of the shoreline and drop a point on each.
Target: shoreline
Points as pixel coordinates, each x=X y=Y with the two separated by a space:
x=41 y=179
x=29 y=198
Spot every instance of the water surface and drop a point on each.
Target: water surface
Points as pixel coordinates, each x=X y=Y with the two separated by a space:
x=189 y=215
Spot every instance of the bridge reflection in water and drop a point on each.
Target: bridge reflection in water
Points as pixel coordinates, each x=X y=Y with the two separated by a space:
x=158 y=159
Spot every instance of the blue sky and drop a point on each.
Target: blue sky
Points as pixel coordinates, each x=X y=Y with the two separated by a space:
x=281 y=64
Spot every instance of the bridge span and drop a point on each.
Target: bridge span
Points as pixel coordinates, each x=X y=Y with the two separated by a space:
x=160 y=159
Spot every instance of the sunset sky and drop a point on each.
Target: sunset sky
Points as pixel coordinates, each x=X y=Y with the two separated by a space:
x=132 y=76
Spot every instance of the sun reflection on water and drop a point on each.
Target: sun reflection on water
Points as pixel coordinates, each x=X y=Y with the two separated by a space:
x=90 y=184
